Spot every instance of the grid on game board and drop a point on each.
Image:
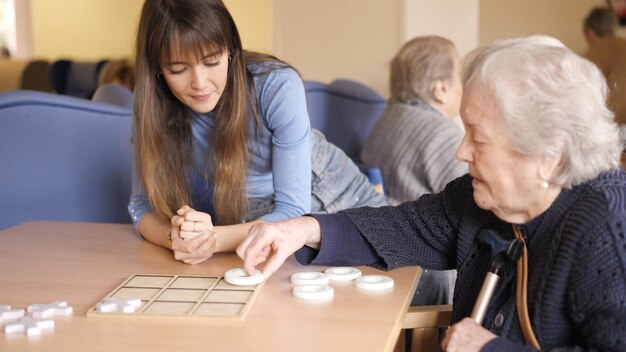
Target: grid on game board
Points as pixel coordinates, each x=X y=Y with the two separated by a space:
x=173 y=295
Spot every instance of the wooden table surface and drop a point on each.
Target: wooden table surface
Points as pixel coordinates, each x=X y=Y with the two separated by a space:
x=41 y=262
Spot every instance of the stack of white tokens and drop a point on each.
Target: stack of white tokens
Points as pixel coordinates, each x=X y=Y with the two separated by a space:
x=310 y=285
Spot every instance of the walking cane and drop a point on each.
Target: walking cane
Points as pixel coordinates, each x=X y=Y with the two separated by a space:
x=501 y=251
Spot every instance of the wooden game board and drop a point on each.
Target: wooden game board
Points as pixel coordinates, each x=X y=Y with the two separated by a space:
x=208 y=297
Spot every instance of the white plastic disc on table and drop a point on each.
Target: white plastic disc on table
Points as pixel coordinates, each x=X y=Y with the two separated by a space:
x=309 y=278
x=6 y=313
x=111 y=304
x=343 y=273
x=239 y=277
x=29 y=325
x=374 y=282
x=44 y=311
x=313 y=292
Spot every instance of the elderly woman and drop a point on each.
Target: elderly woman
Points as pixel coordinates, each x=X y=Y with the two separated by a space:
x=543 y=155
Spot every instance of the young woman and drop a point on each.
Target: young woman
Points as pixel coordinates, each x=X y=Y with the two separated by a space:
x=222 y=138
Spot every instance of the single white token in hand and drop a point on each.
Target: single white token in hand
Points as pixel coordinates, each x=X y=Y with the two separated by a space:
x=313 y=292
x=343 y=273
x=239 y=277
x=374 y=282
x=309 y=278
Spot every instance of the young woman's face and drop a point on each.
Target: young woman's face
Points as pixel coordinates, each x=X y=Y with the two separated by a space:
x=199 y=84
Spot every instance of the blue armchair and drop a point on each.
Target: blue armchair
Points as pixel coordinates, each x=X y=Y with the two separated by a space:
x=76 y=79
x=115 y=94
x=63 y=158
x=346 y=111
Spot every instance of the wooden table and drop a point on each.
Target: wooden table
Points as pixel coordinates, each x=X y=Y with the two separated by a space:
x=41 y=262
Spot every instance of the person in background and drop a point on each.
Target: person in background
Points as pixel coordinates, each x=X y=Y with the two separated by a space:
x=118 y=72
x=414 y=141
x=543 y=154
x=222 y=137
x=608 y=52
x=116 y=83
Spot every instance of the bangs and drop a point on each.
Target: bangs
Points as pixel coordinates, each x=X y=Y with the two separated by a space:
x=189 y=46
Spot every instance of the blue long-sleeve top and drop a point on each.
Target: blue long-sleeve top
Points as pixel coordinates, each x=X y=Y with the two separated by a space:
x=279 y=149
x=576 y=267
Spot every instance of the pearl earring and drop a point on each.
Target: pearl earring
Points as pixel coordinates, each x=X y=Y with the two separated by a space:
x=544 y=184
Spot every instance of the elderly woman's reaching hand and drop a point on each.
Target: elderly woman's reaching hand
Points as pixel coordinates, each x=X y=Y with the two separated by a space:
x=272 y=244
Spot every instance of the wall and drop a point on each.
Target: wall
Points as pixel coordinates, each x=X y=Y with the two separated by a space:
x=329 y=39
x=324 y=39
x=96 y=29
x=255 y=21
x=452 y=19
x=87 y=30
x=562 y=19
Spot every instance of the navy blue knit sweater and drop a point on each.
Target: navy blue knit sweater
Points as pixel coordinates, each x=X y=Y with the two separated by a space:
x=577 y=259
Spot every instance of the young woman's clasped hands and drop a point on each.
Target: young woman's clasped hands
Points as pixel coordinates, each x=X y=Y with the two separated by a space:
x=192 y=235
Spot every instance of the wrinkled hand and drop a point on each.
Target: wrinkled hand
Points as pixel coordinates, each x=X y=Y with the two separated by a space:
x=193 y=239
x=274 y=242
x=466 y=336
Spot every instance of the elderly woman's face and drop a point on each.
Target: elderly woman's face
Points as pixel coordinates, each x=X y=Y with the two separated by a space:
x=504 y=180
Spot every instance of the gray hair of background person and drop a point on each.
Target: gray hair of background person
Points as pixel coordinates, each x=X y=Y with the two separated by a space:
x=418 y=65
x=601 y=21
x=553 y=103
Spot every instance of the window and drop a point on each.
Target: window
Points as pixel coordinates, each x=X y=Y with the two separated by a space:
x=7 y=25
x=15 y=27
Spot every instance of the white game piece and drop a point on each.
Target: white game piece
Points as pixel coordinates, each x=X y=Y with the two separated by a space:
x=374 y=282
x=343 y=273
x=43 y=311
x=30 y=325
x=309 y=278
x=111 y=304
x=239 y=277
x=6 y=313
x=313 y=292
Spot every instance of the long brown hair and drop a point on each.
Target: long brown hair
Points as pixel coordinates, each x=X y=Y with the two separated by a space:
x=161 y=123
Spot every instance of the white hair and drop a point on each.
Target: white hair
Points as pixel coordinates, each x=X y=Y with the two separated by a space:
x=553 y=103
